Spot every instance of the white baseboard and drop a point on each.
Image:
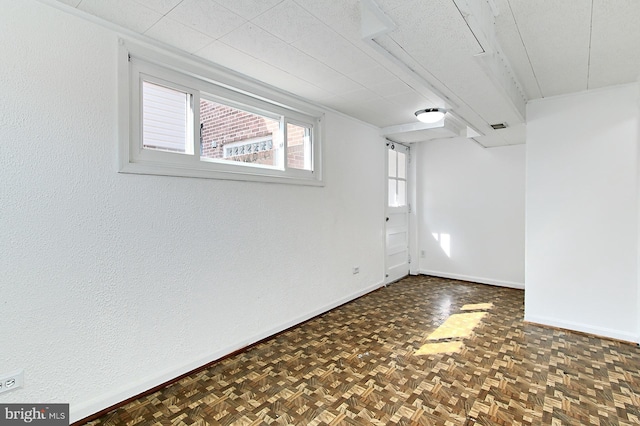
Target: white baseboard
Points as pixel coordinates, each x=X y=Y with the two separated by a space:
x=583 y=328
x=481 y=280
x=88 y=408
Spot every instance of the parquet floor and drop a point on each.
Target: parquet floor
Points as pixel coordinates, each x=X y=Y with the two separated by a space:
x=423 y=351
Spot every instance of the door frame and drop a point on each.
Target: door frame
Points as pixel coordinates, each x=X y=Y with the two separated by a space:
x=409 y=210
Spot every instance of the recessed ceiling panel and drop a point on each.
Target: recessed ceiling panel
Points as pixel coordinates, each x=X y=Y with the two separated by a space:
x=434 y=28
x=511 y=43
x=556 y=35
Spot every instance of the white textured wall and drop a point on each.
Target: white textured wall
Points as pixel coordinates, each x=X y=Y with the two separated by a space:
x=112 y=283
x=476 y=197
x=582 y=215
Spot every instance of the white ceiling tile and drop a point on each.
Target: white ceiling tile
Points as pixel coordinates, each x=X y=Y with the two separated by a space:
x=160 y=6
x=376 y=111
x=340 y=85
x=371 y=112
x=179 y=35
x=250 y=66
x=257 y=43
x=341 y=16
x=360 y=95
x=261 y=44
x=72 y=3
x=391 y=87
x=372 y=76
x=333 y=101
x=556 y=36
x=412 y=101
x=361 y=112
x=294 y=85
x=206 y=16
x=288 y=21
x=128 y=14
x=335 y=51
x=615 y=43
x=248 y=9
x=229 y=57
x=253 y=40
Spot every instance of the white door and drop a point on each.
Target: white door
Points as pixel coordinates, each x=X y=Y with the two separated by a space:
x=397 y=218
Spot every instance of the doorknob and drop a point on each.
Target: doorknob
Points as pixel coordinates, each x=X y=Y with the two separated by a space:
x=387 y=220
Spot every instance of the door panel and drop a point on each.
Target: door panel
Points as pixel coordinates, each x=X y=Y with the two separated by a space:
x=397 y=219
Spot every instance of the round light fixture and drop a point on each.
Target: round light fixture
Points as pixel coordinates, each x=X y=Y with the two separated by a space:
x=431 y=115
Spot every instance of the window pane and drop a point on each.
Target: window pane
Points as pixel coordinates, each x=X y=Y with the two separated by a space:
x=392 y=193
x=392 y=163
x=165 y=118
x=230 y=134
x=402 y=193
x=402 y=165
x=298 y=147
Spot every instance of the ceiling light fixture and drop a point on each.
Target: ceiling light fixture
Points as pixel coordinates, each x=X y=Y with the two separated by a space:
x=431 y=115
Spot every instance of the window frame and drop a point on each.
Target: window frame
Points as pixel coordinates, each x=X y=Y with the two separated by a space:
x=202 y=80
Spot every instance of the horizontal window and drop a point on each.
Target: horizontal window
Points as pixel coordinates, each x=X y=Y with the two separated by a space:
x=186 y=120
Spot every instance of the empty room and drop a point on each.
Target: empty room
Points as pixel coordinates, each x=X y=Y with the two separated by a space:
x=303 y=212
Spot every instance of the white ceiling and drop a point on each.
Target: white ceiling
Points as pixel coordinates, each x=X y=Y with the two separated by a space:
x=481 y=59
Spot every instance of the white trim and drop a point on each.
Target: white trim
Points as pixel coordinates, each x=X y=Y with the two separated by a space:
x=176 y=72
x=583 y=328
x=85 y=409
x=475 y=279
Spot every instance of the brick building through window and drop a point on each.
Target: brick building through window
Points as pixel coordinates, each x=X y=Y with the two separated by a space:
x=231 y=134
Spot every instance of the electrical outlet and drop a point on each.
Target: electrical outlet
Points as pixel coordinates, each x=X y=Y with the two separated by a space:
x=12 y=381
x=422 y=254
x=356 y=270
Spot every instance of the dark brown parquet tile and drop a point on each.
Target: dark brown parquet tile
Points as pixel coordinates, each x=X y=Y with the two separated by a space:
x=374 y=361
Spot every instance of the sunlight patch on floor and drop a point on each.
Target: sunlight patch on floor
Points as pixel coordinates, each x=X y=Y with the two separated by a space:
x=437 y=348
x=455 y=328
x=458 y=325
x=476 y=306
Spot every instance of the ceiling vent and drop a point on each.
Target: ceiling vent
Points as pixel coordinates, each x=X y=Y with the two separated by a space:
x=498 y=126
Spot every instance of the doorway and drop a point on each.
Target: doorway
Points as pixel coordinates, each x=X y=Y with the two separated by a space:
x=397 y=213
